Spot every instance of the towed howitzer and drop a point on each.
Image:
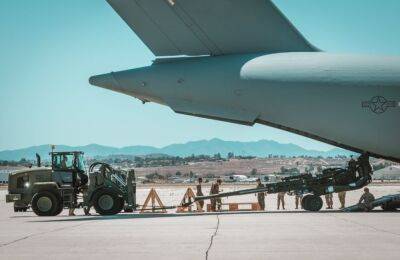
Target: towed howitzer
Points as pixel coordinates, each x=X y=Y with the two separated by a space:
x=354 y=177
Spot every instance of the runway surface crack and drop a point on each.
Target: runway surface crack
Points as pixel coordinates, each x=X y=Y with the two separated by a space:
x=368 y=226
x=212 y=237
x=38 y=234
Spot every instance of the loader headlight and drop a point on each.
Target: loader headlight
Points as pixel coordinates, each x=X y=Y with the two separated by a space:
x=26 y=184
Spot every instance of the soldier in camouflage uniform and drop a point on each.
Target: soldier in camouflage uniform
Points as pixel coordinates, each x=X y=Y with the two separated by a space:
x=281 y=200
x=342 y=199
x=329 y=201
x=261 y=195
x=298 y=199
x=366 y=200
x=199 y=192
x=215 y=202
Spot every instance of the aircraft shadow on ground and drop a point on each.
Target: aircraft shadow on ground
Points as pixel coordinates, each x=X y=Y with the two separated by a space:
x=171 y=215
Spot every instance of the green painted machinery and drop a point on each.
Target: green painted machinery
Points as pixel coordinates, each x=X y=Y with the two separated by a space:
x=67 y=185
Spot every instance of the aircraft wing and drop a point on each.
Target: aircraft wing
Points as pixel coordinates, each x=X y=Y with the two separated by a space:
x=210 y=27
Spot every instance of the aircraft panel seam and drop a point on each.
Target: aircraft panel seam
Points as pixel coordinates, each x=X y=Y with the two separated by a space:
x=158 y=26
x=214 y=49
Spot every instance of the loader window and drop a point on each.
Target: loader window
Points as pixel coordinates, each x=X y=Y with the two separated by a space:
x=80 y=164
x=63 y=161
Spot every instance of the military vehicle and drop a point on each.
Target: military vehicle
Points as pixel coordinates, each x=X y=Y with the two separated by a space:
x=67 y=185
x=355 y=176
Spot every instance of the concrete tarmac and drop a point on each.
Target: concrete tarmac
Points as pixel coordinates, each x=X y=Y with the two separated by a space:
x=290 y=234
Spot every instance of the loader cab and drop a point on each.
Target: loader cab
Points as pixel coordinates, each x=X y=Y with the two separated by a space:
x=67 y=161
x=68 y=168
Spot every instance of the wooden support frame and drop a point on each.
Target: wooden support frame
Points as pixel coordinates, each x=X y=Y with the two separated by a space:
x=153 y=197
x=188 y=197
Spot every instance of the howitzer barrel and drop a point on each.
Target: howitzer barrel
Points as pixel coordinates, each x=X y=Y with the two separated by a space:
x=269 y=188
x=232 y=193
x=304 y=184
x=332 y=180
x=285 y=186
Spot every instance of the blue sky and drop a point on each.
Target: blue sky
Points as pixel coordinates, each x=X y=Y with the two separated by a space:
x=49 y=49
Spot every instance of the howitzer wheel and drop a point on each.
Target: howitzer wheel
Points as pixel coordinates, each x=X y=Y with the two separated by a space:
x=389 y=206
x=312 y=202
x=303 y=201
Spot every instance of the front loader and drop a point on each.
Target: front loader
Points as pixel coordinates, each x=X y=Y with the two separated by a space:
x=67 y=185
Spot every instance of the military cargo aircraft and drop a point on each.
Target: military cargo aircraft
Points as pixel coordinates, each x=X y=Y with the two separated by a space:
x=244 y=62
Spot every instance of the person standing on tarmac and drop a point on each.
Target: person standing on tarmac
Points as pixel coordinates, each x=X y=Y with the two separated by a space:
x=366 y=200
x=298 y=199
x=71 y=211
x=281 y=200
x=260 y=195
x=215 y=202
x=342 y=199
x=199 y=192
x=329 y=201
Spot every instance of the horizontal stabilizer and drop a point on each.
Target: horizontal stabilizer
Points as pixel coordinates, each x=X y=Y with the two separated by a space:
x=210 y=27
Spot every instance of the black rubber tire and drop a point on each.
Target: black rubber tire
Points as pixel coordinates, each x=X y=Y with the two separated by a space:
x=60 y=209
x=55 y=203
x=117 y=202
x=312 y=203
x=121 y=203
x=303 y=201
x=389 y=207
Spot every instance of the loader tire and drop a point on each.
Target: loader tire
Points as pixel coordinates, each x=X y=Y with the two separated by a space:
x=312 y=203
x=60 y=209
x=46 y=203
x=107 y=202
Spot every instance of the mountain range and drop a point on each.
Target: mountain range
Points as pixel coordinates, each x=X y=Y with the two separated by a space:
x=260 y=148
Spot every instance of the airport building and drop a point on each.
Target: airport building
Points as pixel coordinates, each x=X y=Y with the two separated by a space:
x=3 y=177
x=388 y=173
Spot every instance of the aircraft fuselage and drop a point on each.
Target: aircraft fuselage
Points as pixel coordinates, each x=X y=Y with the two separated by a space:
x=351 y=101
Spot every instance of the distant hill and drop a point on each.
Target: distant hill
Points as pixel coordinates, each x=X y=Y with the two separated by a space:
x=260 y=148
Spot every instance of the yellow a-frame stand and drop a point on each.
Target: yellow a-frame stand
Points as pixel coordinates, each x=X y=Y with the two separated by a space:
x=188 y=197
x=153 y=196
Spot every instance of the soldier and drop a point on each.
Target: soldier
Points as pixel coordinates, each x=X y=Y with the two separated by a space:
x=365 y=168
x=199 y=192
x=86 y=210
x=352 y=169
x=64 y=162
x=352 y=164
x=366 y=200
x=329 y=200
x=71 y=210
x=215 y=202
x=342 y=199
x=281 y=200
x=261 y=195
x=298 y=199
